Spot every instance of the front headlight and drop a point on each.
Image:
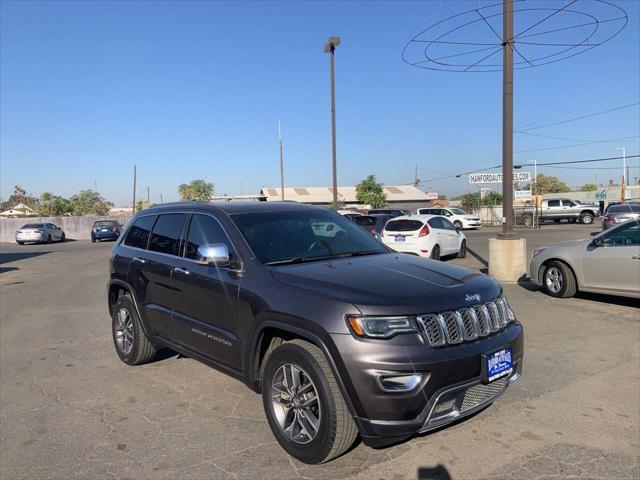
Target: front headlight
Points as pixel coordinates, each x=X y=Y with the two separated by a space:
x=537 y=252
x=380 y=327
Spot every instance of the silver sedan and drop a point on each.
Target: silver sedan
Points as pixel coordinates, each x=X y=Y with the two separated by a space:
x=39 y=232
x=617 y=214
x=609 y=262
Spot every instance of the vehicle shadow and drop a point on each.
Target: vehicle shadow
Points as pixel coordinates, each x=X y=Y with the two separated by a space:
x=528 y=285
x=478 y=257
x=439 y=472
x=15 y=256
x=8 y=269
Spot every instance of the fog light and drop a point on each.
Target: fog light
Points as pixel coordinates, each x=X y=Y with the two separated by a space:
x=399 y=383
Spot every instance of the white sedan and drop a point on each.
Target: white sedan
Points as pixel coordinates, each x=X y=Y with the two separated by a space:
x=457 y=216
x=429 y=236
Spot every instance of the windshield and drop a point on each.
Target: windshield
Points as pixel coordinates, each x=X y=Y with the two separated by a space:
x=301 y=236
x=626 y=208
x=33 y=225
x=104 y=223
x=458 y=211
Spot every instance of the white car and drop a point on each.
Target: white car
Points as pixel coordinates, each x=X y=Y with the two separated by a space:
x=457 y=216
x=430 y=236
x=39 y=232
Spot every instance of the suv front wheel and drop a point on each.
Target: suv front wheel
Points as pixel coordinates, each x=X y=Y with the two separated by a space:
x=130 y=341
x=303 y=404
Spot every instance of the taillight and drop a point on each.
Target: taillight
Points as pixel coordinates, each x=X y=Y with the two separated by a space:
x=607 y=218
x=424 y=231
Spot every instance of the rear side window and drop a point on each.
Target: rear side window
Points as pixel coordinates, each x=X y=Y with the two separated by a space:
x=436 y=222
x=627 y=208
x=204 y=230
x=138 y=234
x=554 y=203
x=365 y=221
x=165 y=237
x=403 y=225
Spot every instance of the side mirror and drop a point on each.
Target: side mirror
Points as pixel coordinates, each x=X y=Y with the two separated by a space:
x=597 y=242
x=213 y=254
x=457 y=229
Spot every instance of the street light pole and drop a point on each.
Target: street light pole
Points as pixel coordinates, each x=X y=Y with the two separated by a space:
x=507 y=121
x=330 y=48
x=281 y=165
x=133 y=209
x=148 y=199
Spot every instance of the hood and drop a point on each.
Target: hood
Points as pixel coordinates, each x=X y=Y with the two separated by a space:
x=567 y=243
x=391 y=283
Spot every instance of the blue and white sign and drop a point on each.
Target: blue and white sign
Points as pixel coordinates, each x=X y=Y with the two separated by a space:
x=499 y=364
x=601 y=195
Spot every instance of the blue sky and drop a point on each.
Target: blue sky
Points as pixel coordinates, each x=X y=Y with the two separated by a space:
x=190 y=90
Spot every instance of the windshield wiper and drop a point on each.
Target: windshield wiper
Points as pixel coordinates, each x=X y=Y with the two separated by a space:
x=289 y=261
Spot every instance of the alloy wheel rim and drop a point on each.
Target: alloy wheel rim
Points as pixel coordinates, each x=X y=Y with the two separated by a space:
x=554 y=279
x=124 y=331
x=296 y=404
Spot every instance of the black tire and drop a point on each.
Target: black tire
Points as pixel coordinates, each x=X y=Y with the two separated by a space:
x=462 y=253
x=586 y=219
x=567 y=285
x=336 y=429
x=435 y=253
x=48 y=238
x=458 y=224
x=93 y=240
x=142 y=351
x=63 y=238
x=20 y=243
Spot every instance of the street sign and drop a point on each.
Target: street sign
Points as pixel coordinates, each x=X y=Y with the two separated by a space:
x=522 y=195
x=601 y=195
x=484 y=192
x=495 y=177
x=432 y=195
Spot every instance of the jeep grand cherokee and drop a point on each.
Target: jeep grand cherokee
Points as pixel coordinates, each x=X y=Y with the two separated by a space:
x=341 y=336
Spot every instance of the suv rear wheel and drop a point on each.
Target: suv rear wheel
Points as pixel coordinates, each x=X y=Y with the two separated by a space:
x=586 y=218
x=131 y=343
x=303 y=404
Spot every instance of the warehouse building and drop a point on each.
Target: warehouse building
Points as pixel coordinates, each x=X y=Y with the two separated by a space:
x=398 y=196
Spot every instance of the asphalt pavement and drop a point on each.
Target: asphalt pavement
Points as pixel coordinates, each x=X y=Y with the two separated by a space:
x=70 y=409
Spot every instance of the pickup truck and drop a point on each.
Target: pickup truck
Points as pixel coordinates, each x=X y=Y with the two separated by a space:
x=557 y=209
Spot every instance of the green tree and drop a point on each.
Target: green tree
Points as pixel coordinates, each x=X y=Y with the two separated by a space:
x=473 y=200
x=371 y=192
x=588 y=187
x=89 y=202
x=20 y=195
x=140 y=205
x=51 y=205
x=547 y=184
x=196 y=190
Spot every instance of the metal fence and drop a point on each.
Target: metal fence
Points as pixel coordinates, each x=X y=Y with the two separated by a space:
x=525 y=216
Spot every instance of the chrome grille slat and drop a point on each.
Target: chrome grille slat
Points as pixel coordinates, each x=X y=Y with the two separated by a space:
x=465 y=324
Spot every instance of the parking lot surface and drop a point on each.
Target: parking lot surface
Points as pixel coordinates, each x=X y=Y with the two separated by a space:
x=70 y=409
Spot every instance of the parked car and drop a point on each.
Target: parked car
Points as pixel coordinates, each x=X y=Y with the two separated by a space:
x=457 y=216
x=39 y=232
x=428 y=236
x=105 y=230
x=558 y=209
x=374 y=224
x=340 y=336
x=394 y=212
x=350 y=214
x=620 y=213
x=606 y=263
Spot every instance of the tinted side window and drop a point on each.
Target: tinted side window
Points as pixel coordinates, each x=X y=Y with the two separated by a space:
x=447 y=225
x=435 y=222
x=403 y=225
x=165 y=237
x=204 y=230
x=627 y=235
x=138 y=234
x=567 y=203
x=554 y=203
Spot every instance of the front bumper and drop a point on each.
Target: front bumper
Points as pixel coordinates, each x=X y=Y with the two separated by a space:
x=472 y=224
x=449 y=375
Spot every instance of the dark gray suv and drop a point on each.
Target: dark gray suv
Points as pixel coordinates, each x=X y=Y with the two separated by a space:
x=341 y=336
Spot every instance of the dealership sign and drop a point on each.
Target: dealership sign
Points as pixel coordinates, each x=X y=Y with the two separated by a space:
x=496 y=177
x=432 y=195
x=522 y=195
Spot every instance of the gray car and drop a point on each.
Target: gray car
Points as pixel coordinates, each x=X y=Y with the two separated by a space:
x=39 y=232
x=608 y=262
x=617 y=214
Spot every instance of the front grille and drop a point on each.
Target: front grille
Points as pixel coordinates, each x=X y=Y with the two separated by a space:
x=465 y=324
x=480 y=393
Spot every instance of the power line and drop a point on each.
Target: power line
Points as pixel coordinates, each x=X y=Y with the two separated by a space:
x=575 y=145
x=565 y=139
x=535 y=127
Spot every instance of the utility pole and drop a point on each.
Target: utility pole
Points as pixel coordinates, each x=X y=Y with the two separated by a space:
x=281 y=165
x=148 y=200
x=134 y=190
x=415 y=177
x=507 y=121
x=161 y=199
x=330 y=48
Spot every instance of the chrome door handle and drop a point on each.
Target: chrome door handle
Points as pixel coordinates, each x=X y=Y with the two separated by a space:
x=139 y=260
x=184 y=271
